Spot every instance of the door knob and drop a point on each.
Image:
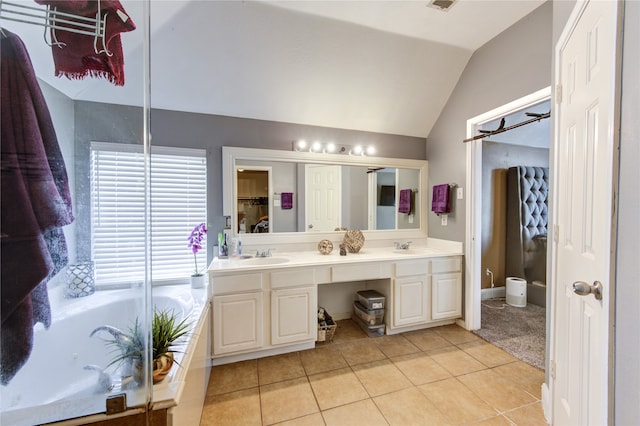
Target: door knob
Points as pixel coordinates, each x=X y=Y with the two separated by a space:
x=310 y=225
x=584 y=289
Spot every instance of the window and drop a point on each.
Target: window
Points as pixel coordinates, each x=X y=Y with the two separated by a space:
x=177 y=204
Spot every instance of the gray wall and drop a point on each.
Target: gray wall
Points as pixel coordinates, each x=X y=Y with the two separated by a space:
x=496 y=159
x=514 y=64
x=116 y=123
x=627 y=316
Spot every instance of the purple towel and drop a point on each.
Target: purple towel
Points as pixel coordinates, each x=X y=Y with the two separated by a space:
x=440 y=202
x=404 y=206
x=286 y=200
x=35 y=203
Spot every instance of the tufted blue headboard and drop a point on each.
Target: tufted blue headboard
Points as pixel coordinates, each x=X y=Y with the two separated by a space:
x=527 y=216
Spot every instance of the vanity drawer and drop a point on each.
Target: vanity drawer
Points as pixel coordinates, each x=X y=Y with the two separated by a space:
x=412 y=267
x=299 y=277
x=364 y=271
x=237 y=283
x=446 y=264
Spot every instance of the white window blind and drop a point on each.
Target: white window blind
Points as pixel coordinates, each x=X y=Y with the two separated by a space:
x=178 y=204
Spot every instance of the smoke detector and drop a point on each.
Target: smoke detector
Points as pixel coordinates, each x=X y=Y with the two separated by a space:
x=443 y=5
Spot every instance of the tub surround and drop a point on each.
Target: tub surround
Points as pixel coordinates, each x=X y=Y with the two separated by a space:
x=267 y=306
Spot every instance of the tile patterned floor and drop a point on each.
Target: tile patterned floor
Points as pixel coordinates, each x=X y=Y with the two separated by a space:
x=438 y=376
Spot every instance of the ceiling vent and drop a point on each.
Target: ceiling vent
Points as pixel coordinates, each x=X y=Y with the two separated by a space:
x=443 y=5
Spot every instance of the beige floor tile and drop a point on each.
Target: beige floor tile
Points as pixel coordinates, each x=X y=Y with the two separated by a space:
x=409 y=407
x=232 y=377
x=287 y=400
x=381 y=377
x=420 y=368
x=235 y=408
x=337 y=387
x=426 y=340
x=348 y=330
x=456 y=401
x=310 y=420
x=531 y=415
x=456 y=334
x=363 y=413
x=360 y=351
x=528 y=377
x=493 y=421
x=322 y=359
x=397 y=345
x=486 y=353
x=455 y=360
x=279 y=368
x=496 y=390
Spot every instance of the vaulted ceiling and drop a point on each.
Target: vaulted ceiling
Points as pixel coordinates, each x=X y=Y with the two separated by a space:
x=381 y=66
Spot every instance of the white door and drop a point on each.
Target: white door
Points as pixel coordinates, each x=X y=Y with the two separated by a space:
x=446 y=295
x=323 y=197
x=237 y=322
x=585 y=143
x=293 y=315
x=410 y=296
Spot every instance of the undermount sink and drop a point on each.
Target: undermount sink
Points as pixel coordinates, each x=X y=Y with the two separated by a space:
x=265 y=261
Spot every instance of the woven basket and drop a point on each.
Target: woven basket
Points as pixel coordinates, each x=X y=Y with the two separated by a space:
x=354 y=240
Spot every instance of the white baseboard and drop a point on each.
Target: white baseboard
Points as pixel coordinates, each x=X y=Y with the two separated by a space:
x=493 y=293
x=546 y=402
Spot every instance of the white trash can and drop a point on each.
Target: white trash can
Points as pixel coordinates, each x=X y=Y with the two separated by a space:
x=516 y=292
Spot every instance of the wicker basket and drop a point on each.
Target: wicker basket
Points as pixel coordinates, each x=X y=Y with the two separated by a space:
x=326 y=328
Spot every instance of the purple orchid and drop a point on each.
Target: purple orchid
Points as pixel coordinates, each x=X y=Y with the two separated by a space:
x=195 y=243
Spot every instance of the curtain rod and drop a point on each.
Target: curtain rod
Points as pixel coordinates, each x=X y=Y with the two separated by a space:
x=502 y=129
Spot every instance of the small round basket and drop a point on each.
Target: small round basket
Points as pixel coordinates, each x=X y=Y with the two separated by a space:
x=354 y=240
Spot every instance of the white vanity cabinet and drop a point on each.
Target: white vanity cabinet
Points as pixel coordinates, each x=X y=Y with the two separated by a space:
x=238 y=313
x=410 y=293
x=446 y=288
x=294 y=306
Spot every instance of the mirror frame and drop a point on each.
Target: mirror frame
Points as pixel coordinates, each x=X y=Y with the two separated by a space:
x=229 y=191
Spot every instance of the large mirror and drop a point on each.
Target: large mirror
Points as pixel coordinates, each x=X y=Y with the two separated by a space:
x=275 y=192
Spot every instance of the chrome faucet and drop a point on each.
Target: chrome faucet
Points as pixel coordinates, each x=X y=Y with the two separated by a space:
x=403 y=246
x=263 y=253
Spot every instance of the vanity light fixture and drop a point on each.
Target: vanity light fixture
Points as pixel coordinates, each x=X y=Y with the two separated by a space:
x=332 y=148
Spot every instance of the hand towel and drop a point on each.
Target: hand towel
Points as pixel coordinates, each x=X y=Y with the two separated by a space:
x=35 y=203
x=78 y=58
x=440 y=201
x=286 y=200
x=404 y=205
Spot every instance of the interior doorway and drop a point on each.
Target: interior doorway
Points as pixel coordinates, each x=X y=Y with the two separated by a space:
x=488 y=159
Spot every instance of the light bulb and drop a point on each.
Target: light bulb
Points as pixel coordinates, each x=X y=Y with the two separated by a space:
x=316 y=147
x=331 y=147
x=371 y=150
x=301 y=144
x=357 y=150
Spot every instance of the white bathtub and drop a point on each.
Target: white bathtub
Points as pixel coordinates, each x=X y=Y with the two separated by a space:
x=53 y=384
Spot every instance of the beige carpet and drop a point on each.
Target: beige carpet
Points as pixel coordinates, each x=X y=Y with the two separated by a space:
x=519 y=331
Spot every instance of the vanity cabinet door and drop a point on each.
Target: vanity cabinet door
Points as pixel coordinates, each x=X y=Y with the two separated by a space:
x=293 y=315
x=237 y=322
x=410 y=300
x=446 y=295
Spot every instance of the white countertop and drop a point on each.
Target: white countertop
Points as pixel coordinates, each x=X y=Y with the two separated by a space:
x=280 y=259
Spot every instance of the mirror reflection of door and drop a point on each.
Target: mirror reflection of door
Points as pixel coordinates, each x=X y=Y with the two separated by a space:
x=253 y=199
x=386 y=196
x=323 y=197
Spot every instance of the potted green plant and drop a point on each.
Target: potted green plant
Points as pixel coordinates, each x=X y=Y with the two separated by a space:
x=195 y=244
x=166 y=329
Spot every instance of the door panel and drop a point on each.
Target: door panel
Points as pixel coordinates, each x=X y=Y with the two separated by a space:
x=584 y=214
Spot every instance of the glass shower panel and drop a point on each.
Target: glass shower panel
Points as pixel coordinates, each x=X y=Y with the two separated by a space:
x=76 y=293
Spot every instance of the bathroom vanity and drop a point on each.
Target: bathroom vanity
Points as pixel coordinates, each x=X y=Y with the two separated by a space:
x=267 y=306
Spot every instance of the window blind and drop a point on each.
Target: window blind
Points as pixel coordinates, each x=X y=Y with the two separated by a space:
x=177 y=205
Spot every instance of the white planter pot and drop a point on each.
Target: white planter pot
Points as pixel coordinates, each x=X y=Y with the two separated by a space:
x=197 y=281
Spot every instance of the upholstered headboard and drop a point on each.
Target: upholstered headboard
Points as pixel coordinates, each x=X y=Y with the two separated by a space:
x=527 y=215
